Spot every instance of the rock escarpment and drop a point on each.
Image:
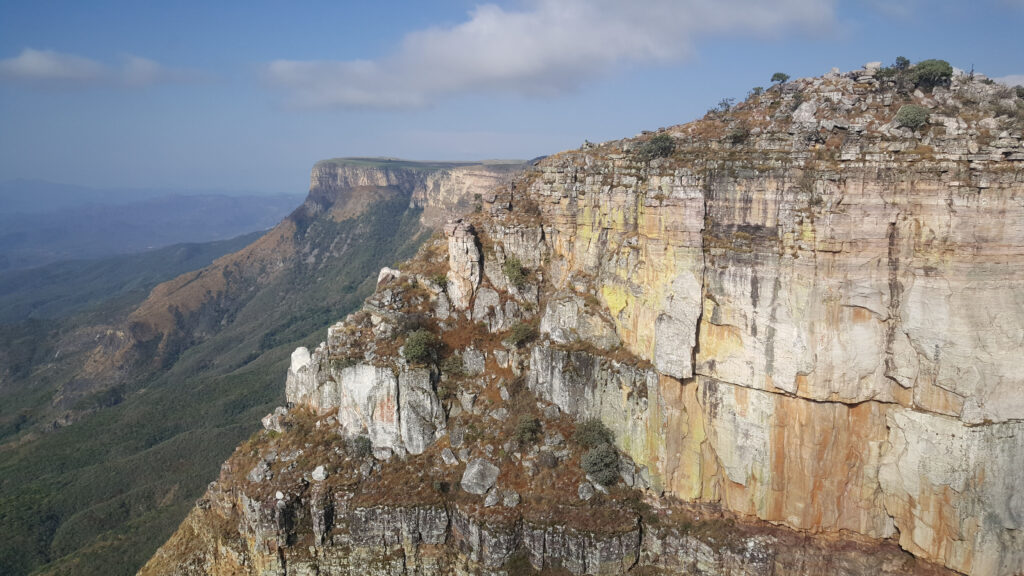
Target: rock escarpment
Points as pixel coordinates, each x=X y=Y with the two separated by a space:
x=320 y=234
x=800 y=326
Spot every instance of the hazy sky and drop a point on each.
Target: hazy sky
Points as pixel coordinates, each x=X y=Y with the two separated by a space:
x=248 y=94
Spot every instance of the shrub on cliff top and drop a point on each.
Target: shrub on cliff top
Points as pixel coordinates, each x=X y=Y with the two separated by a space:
x=591 y=433
x=660 y=146
x=780 y=78
x=420 y=347
x=912 y=116
x=602 y=464
x=931 y=73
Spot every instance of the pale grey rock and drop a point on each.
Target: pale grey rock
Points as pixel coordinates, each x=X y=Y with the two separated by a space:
x=500 y=414
x=554 y=439
x=301 y=383
x=449 y=457
x=367 y=468
x=487 y=309
x=805 y=114
x=675 y=328
x=510 y=499
x=465 y=263
x=275 y=420
x=422 y=416
x=585 y=491
x=260 y=472
x=473 y=363
x=567 y=319
x=479 y=476
x=467 y=399
x=388 y=274
x=586 y=386
x=492 y=499
x=442 y=306
x=932 y=454
x=319 y=473
x=456 y=436
x=627 y=471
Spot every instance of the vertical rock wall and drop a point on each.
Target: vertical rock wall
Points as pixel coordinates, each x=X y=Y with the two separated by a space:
x=833 y=315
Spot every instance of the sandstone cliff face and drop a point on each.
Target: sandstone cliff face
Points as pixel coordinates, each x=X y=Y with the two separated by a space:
x=839 y=301
x=801 y=327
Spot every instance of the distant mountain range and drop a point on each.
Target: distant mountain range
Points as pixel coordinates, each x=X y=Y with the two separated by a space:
x=43 y=222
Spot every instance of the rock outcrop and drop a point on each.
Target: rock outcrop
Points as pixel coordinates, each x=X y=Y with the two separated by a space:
x=800 y=326
x=465 y=264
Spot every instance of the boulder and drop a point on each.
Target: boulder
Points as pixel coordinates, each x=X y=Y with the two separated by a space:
x=449 y=457
x=479 y=477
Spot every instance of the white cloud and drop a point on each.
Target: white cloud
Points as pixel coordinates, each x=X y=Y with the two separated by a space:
x=549 y=47
x=1011 y=80
x=57 y=68
x=47 y=65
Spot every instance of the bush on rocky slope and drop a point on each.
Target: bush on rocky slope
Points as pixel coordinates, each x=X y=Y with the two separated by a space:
x=912 y=116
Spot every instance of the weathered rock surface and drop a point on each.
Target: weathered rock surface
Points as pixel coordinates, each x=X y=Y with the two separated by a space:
x=396 y=412
x=465 y=263
x=817 y=323
x=479 y=476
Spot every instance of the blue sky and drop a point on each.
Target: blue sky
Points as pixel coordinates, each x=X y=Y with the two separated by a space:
x=248 y=95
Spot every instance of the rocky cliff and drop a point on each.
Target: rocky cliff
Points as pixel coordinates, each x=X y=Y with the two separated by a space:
x=191 y=307
x=798 y=318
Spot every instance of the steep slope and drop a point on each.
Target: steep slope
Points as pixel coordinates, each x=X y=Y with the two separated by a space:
x=139 y=410
x=347 y=198
x=798 y=318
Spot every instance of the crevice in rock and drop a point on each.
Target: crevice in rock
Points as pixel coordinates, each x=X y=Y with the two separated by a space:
x=895 y=299
x=705 y=230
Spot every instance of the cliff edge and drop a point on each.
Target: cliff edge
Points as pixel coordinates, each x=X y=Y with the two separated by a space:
x=798 y=320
